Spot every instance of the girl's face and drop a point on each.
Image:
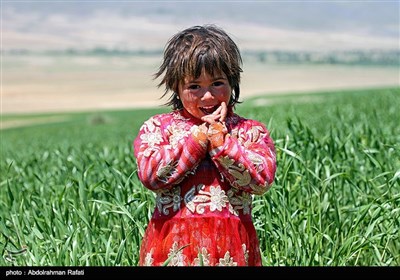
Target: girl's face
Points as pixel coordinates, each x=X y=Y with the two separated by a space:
x=203 y=95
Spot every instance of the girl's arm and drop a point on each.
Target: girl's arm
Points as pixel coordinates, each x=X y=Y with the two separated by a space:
x=245 y=156
x=166 y=152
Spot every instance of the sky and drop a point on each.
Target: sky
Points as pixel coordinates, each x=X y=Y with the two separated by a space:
x=147 y=25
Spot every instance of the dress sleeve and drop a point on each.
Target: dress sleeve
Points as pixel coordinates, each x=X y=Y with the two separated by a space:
x=166 y=152
x=247 y=157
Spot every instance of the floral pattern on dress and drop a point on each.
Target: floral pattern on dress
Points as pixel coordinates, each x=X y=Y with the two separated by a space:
x=239 y=201
x=238 y=171
x=153 y=136
x=241 y=176
x=177 y=132
x=196 y=200
x=227 y=260
x=148 y=261
x=165 y=172
x=215 y=199
x=245 y=253
x=167 y=199
x=176 y=256
x=203 y=258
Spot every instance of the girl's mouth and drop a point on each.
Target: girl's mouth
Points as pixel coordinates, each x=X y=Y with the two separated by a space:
x=208 y=110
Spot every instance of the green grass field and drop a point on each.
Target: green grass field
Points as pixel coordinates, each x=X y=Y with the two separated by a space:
x=69 y=194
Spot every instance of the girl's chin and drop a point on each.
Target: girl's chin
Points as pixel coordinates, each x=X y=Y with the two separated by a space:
x=198 y=115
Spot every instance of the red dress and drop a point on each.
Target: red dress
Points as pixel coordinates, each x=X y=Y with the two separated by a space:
x=203 y=198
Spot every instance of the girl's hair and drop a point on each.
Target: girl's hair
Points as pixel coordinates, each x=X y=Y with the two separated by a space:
x=196 y=48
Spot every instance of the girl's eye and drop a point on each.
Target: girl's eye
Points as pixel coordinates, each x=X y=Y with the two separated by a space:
x=218 y=83
x=193 y=87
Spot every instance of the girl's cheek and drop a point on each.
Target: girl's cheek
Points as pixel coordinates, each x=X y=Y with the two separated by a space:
x=187 y=103
x=190 y=107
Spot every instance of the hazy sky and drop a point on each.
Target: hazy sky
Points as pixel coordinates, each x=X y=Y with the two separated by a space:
x=272 y=25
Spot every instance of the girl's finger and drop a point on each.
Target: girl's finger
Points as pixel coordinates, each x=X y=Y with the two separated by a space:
x=211 y=118
x=224 y=111
x=216 y=112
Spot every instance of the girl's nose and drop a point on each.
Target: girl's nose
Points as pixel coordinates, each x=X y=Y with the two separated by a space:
x=207 y=94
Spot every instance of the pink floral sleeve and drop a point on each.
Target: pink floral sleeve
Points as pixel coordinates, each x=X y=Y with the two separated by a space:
x=166 y=151
x=247 y=157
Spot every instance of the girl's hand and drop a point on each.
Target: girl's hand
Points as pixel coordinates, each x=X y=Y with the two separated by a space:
x=218 y=115
x=224 y=112
x=216 y=134
x=200 y=134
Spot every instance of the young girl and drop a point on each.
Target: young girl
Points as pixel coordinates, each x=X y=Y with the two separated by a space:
x=203 y=161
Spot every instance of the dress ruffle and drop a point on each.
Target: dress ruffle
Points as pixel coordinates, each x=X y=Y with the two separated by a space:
x=207 y=241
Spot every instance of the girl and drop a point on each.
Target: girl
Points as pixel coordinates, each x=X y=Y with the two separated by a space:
x=203 y=161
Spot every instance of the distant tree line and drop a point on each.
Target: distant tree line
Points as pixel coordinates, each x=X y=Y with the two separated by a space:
x=347 y=57
x=350 y=57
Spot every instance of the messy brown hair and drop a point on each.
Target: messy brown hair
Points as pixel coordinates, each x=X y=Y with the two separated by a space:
x=196 y=48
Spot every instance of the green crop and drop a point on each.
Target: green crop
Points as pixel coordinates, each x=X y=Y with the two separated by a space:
x=70 y=196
